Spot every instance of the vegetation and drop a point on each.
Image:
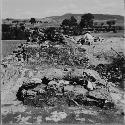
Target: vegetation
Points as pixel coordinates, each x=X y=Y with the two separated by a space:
x=86 y=21
x=19 y=29
x=14 y=33
x=52 y=70
x=32 y=21
x=70 y=26
x=111 y=22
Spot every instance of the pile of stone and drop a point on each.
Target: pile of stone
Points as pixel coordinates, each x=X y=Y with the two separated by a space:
x=77 y=87
x=88 y=89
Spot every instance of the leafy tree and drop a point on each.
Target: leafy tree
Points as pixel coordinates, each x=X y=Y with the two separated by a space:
x=6 y=27
x=69 y=22
x=32 y=21
x=49 y=32
x=13 y=33
x=73 y=21
x=102 y=23
x=111 y=22
x=22 y=28
x=65 y=22
x=65 y=26
x=86 y=21
x=95 y=23
x=15 y=21
x=69 y=25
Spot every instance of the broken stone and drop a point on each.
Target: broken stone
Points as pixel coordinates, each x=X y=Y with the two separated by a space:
x=68 y=88
x=79 y=90
x=53 y=83
x=56 y=116
x=95 y=74
x=64 y=82
x=36 y=80
x=90 y=85
x=39 y=120
x=101 y=93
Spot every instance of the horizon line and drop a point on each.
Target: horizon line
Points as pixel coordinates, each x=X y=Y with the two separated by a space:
x=62 y=15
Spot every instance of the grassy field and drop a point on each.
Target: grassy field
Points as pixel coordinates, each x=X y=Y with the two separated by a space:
x=120 y=34
x=9 y=45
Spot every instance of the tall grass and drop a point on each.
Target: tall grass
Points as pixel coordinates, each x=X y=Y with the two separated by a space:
x=9 y=45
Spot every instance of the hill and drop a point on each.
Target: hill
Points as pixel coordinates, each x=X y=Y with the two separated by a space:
x=119 y=19
x=57 y=20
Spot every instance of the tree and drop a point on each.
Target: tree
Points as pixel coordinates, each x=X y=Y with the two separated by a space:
x=95 y=24
x=65 y=22
x=69 y=25
x=22 y=27
x=86 y=21
x=69 y=22
x=73 y=21
x=102 y=23
x=50 y=32
x=6 y=27
x=65 y=26
x=111 y=22
x=15 y=21
x=32 y=21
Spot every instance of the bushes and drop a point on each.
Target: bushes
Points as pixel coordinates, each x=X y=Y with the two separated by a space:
x=13 y=33
x=53 y=35
x=114 y=72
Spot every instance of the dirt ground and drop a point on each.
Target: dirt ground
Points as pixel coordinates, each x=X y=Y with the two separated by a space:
x=8 y=46
x=14 y=111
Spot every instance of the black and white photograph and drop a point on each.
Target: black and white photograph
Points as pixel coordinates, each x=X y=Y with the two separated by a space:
x=62 y=62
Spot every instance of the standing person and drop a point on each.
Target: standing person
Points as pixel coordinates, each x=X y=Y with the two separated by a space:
x=88 y=38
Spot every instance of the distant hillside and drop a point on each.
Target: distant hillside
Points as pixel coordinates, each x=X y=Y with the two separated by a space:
x=119 y=19
x=57 y=20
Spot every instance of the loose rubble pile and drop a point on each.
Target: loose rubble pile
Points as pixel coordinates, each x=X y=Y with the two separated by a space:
x=51 y=53
x=71 y=82
x=87 y=89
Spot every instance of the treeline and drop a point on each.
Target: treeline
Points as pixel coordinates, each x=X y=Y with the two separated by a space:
x=68 y=26
x=72 y=27
x=10 y=32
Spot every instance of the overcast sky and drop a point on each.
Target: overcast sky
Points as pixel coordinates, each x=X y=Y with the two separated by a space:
x=45 y=8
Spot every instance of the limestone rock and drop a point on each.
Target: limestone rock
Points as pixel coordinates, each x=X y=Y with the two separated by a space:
x=80 y=90
x=101 y=93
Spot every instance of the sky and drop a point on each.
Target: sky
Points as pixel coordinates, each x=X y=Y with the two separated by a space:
x=46 y=8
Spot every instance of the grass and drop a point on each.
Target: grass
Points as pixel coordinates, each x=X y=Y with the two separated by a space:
x=121 y=33
x=9 y=45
